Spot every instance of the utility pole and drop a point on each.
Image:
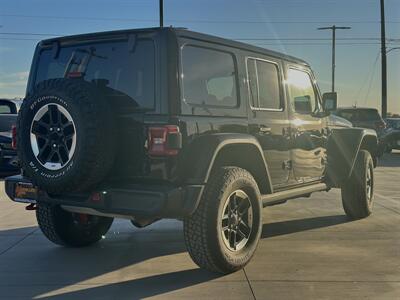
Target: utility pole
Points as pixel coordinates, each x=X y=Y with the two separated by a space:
x=161 y=6
x=384 y=61
x=333 y=28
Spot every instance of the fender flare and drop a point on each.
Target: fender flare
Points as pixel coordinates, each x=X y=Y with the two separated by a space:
x=342 y=150
x=202 y=154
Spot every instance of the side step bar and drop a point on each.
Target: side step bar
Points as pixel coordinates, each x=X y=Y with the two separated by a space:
x=281 y=197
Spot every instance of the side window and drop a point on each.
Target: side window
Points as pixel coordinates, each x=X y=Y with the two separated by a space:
x=268 y=83
x=7 y=108
x=302 y=94
x=209 y=77
x=264 y=84
x=252 y=80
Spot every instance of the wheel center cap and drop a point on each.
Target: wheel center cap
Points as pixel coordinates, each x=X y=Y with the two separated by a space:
x=235 y=219
x=53 y=136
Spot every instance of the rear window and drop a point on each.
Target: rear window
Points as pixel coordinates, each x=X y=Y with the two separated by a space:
x=360 y=115
x=130 y=72
x=368 y=115
x=209 y=77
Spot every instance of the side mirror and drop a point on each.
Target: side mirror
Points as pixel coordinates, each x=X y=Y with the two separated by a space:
x=302 y=105
x=329 y=101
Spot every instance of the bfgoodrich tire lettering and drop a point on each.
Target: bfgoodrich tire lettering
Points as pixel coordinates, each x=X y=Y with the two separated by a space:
x=203 y=237
x=93 y=122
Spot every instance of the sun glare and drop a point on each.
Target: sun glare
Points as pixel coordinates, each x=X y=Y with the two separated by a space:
x=298 y=79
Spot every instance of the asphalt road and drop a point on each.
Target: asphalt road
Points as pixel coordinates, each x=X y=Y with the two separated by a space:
x=308 y=250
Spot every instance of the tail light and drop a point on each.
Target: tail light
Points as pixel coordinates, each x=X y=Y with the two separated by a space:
x=164 y=140
x=14 y=137
x=74 y=74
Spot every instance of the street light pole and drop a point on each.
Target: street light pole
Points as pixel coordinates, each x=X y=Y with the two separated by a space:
x=333 y=28
x=384 y=60
x=161 y=6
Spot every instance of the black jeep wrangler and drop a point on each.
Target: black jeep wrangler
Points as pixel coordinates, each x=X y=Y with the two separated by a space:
x=168 y=123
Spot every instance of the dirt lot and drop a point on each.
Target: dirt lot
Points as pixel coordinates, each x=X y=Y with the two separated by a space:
x=308 y=250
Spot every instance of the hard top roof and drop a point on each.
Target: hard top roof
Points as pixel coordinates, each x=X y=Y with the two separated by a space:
x=236 y=44
x=182 y=32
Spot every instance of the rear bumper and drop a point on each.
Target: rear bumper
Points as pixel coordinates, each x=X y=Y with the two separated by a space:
x=147 y=201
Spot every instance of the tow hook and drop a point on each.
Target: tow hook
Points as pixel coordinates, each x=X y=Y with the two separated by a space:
x=31 y=206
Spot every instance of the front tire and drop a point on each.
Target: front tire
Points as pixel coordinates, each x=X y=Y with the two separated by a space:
x=358 y=191
x=223 y=233
x=70 y=229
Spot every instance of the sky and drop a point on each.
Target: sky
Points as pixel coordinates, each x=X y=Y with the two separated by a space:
x=288 y=26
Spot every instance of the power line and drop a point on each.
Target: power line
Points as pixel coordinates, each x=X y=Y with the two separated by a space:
x=372 y=79
x=321 y=44
x=367 y=77
x=273 y=21
x=307 y=39
x=30 y=33
x=19 y=39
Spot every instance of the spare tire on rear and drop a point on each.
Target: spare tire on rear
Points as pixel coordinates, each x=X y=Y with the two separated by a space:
x=65 y=136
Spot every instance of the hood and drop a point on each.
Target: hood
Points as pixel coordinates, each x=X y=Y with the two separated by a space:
x=336 y=121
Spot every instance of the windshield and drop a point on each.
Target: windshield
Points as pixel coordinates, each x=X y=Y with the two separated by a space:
x=395 y=124
x=124 y=71
x=359 y=115
x=368 y=115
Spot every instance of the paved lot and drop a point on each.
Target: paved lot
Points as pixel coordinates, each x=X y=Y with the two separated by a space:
x=309 y=250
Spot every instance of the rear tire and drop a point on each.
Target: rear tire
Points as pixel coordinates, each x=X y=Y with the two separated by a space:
x=358 y=191
x=70 y=229
x=231 y=200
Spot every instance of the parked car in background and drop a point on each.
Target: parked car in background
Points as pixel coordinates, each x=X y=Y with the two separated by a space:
x=393 y=129
x=8 y=155
x=366 y=118
x=362 y=117
x=337 y=121
x=393 y=123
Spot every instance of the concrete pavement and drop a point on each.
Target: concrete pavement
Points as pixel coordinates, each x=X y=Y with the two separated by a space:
x=308 y=250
